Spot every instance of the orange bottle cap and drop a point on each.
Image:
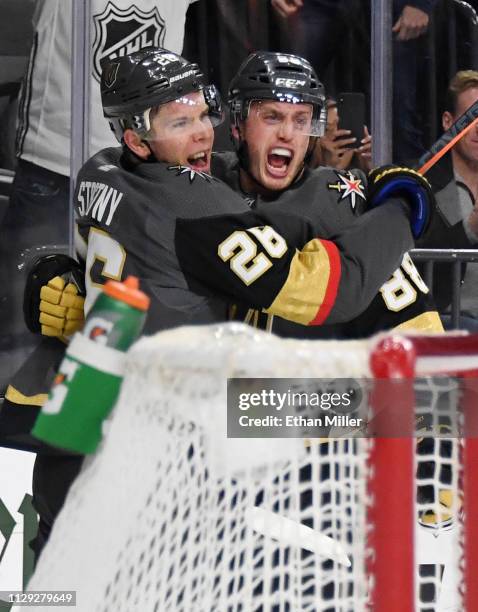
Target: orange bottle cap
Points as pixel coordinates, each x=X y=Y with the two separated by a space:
x=128 y=292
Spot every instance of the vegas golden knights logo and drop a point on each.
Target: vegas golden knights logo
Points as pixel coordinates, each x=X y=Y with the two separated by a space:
x=110 y=74
x=122 y=31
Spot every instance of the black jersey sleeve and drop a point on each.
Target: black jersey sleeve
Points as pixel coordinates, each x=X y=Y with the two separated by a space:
x=403 y=303
x=277 y=261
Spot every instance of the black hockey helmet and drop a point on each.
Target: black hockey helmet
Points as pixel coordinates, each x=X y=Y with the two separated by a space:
x=133 y=84
x=283 y=77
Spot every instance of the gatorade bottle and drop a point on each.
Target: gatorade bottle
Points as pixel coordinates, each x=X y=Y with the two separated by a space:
x=89 y=378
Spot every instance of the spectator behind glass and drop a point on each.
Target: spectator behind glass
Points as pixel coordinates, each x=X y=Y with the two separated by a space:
x=333 y=150
x=455 y=182
x=321 y=28
x=38 y=215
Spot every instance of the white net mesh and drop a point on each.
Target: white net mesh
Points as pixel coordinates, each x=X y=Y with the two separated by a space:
x=438 y=503
x=160 y=519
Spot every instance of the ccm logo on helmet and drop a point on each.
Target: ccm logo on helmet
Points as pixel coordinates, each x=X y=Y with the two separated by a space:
x=289 y=82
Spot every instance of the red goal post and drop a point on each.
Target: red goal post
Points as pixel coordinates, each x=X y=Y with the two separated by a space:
x=396 y=356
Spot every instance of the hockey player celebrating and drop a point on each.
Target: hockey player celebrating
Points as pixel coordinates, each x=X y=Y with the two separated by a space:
x=165 y=221
x=268 y=98
x=151 y=209
x=178 y=229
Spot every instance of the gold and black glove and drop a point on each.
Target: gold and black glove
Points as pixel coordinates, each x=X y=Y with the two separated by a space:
x=61 y=308
x=53 y=299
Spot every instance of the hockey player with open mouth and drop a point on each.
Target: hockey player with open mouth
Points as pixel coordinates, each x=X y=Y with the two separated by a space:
x=150 y=208
x=277 y=112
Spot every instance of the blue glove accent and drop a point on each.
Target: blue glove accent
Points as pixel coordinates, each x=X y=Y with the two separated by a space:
x=416 y=196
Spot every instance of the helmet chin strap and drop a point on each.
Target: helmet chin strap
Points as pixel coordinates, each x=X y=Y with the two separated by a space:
x=310 y=149
x=242 y=151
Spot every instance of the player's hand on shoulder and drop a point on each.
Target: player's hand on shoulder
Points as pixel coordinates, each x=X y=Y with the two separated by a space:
x=61 y=308
x=385 y=182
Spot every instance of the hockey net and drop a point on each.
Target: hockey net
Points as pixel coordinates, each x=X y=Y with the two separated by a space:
x=164 y=516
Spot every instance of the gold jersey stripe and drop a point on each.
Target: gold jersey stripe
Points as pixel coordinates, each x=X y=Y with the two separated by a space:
x=427 y=322
x=14 y=396
x=295 y=301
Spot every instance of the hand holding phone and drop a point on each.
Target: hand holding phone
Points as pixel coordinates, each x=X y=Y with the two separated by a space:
x=351 y=111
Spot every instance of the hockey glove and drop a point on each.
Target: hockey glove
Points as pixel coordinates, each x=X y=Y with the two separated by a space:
x=392 y=181
x=53 y=302
x=61 y=308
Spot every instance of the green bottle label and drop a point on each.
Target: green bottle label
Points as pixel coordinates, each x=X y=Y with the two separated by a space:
x=82 y=396
x=114 y=323
x=88 y=383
